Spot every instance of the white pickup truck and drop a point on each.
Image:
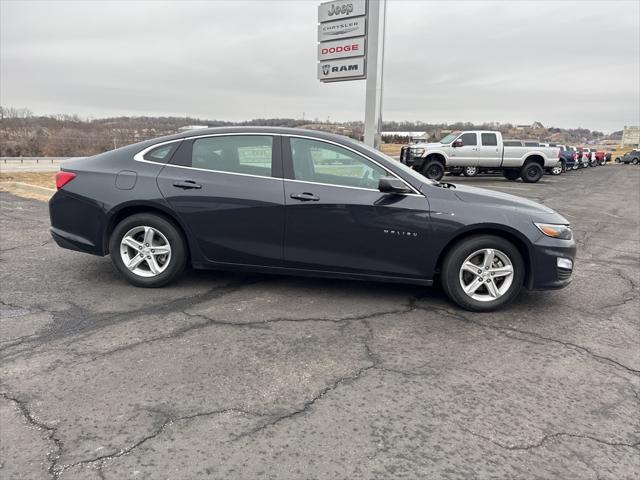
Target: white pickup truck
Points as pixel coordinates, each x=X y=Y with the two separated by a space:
x=477 y=151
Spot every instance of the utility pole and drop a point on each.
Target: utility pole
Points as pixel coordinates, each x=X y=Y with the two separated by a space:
x=377 y=12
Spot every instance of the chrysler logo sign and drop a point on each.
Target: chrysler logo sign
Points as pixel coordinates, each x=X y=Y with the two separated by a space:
x=341 y=29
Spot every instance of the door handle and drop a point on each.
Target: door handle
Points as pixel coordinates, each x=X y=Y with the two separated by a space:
x=305 y=197
x=187 y=184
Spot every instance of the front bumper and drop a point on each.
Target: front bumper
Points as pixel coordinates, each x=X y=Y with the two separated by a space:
x=547 y=272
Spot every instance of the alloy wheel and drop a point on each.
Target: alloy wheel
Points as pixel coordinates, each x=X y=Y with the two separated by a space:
x=486 y=275
x=145 y=251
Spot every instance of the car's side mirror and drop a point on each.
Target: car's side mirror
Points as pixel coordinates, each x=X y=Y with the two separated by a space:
x=458 y=143
x=392 y=185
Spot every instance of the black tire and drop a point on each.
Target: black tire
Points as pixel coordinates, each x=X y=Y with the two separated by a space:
x=452 y=264
x=433 y=170
x=178 y=258
x=511 y=174
x=617 y=160
x=531 y=172
x=634 y=161
x=470 y=171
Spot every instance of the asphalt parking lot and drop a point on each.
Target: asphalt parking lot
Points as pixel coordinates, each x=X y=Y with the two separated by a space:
x=233 y=376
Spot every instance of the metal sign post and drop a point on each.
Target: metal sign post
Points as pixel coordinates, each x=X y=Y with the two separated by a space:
x=377 y=12
x=351 y=47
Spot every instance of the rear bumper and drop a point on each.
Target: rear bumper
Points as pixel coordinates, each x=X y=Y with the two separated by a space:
x=546 y=273
x=74 y=242
x=77 y=223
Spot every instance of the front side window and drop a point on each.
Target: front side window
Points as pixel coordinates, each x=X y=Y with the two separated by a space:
x=320 y=162
x=449 y=138
x=161 y=154
x=489 y=139
x=247 y=154
x=469 y=139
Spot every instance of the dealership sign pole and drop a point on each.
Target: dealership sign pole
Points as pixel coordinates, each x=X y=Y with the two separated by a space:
x=351 y=46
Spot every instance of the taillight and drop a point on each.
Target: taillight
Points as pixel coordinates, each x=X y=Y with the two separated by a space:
x=62 y=178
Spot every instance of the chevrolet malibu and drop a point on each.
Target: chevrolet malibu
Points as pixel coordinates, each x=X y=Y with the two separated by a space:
x=299 y=202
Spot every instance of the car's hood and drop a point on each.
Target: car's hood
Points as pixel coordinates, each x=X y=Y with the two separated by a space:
x=504 y=200
x=427 y=145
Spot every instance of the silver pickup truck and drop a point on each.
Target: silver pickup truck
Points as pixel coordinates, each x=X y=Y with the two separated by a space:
x=479 y=151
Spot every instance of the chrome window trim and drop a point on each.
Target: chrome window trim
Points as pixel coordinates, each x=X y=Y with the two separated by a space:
x=139 y=157
x=349 y=187
x=360 y=155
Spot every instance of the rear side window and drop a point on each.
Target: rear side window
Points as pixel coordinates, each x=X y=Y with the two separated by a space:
x=161 y=154
x=246 y=154
x=489 y=139
x=469 y=139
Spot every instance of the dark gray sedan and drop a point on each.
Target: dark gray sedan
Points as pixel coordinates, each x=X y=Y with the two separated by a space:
x=299 y=202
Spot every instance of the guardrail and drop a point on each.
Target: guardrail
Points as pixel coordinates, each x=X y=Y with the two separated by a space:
x=35 y=159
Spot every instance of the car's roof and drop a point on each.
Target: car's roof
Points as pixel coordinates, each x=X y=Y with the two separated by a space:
x=266 y=130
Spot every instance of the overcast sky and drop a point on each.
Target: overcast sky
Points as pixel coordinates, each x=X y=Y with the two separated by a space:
x=566 y=64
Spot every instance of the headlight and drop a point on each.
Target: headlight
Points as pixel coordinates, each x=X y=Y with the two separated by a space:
x=417 y=151
x=562 y=232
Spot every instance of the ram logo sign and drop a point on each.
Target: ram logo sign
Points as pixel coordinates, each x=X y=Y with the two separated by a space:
x=346 y=69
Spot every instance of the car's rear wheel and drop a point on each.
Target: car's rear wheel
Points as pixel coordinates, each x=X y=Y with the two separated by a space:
x=433 y=170
x=470 y=171
x=148 y=250
x=531 y=173
x=511 y=174
x=634 y=161
x=483 y=273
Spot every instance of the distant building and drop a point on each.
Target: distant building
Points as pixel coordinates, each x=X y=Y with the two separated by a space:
x=533 y=126
x=630 y=136
x=186 y=128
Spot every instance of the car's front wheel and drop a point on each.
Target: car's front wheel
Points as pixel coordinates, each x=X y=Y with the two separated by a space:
x=148 y=250
x=433 y=170
x=531 y=172
x=483 y=273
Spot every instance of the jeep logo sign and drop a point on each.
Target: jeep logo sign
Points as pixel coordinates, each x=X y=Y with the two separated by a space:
x=351 y=47
x=345 y=69
x=341 y=9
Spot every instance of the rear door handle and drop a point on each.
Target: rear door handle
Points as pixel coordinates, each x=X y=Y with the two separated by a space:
x=305 y=197
x=187 y=184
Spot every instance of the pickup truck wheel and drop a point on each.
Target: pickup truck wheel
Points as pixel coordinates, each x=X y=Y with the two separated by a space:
x=511 y=174
x=558 y=169
x=617 y=160
x=483 y=273
x=470 y=171
x=531 y=173
x=433 y=170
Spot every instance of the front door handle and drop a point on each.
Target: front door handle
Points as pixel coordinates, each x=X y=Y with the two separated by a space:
x=305 y=197
x=187 y=184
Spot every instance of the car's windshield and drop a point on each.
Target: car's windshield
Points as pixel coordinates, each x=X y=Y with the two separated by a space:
x=450 y=138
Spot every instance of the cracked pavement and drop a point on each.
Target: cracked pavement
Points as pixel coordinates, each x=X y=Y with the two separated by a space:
x=236 y=376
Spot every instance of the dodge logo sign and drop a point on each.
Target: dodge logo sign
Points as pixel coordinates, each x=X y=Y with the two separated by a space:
x=351 y=47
